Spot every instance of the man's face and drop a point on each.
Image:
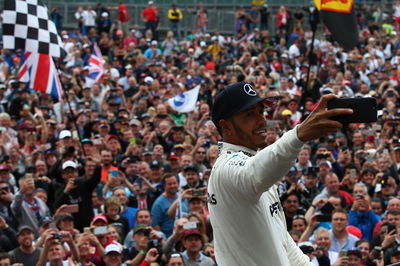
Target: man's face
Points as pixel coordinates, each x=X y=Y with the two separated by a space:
x=323 y=239
x=393 y=204
x=192 y=243
x=69 y=173
x=291 y=204
x=113 y=258
x=176 y=261
x=106 y=157
x=196 y=205
x=143 y=217
x=332 y=184
x=192 y=177
x=4 y=175
x=299 y=225
x=310 y=181
x=393 y=219
x=248 y=128
x=55 y=252
x=376 y=207
x=171 y=185
x=25 y=238
x=339 y=222
x=121 y=195
x=186 y=160
x=200 y=154
x=304 y=156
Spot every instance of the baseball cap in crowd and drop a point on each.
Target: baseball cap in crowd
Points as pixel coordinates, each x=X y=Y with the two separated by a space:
x=151 y=2
x=203 y=44
x=24 y=227
x=4 y=167
x=233 y=99
x=69 y=164
x=155 y=164
x=147 y=151
x=65 y=134
x=99 y=218
x=328 y=163
x=148 y=80
x=173 y=156
x=64 y=217
x=306 y=247
x=116 y=248
x=110 y=137
x=45 y=221
x=397 y=148
x=154 y=42
x=191 y=232
x=139 y=227
x=135 y=122
x=86 y=140
x=351 y=229
x=191 y=167
x=179 y=146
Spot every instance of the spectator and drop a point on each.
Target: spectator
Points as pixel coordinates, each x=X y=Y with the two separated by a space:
x=175 y=16
x=341 y=239
x=150 y=17
x=26 y=253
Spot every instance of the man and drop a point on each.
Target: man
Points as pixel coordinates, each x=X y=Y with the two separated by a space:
x=341 y=239
x=128 y=212
x=26 y=253
x=113 y=255
x=53 y=252
x=193 y=243
x=78 y=190
x=29 y=210
x=241 y=189
x=5 y=259
x=161 y=220
x=175 y=16
x=192 y=176
x=149 y=17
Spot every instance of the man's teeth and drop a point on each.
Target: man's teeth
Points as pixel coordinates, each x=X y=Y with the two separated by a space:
x=262 y=132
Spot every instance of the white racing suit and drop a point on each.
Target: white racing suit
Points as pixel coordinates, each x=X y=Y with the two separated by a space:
x=246 y=214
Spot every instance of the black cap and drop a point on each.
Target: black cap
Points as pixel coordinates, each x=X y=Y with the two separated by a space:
x=191 y=167
x=233 y=99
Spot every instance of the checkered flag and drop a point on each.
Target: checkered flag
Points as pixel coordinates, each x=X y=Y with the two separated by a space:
x=26 y=25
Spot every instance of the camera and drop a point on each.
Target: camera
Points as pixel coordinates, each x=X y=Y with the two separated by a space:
x=57 y=236
x=198 y=192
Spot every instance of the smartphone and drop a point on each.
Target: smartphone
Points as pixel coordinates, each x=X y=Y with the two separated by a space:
x=86 y=230
x=190 y=225
x=100 y=230
x=114 y=173
x=132 y=140
x=377 y=252
x=342 y=253
x=324 y=218
x=198 y=192
x=71 y=208
x=97 y=142
x=353 y=173
x=364 y=110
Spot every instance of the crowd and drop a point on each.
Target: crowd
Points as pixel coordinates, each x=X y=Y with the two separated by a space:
x=120 y=178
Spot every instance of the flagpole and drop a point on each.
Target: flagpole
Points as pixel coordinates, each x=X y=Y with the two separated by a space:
x=69 y=106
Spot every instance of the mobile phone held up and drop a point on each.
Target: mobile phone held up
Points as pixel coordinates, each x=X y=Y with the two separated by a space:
x=364 y=110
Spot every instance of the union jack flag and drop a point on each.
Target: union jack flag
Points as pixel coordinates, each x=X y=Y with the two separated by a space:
x=96 y=64
x=41 y=73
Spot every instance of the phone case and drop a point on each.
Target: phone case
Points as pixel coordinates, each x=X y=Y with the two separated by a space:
x=364 y=110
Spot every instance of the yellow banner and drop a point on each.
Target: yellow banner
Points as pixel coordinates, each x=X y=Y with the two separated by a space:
x=343 y=6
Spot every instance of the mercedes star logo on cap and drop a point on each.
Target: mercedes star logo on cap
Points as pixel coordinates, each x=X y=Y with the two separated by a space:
x=249 y=90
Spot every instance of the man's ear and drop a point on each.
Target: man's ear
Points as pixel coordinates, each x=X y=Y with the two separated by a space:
x=226 y=127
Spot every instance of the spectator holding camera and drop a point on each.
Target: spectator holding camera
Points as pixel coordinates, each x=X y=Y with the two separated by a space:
x=53 y=252
x=28 y=210
x=78 y=191
x=361 y=215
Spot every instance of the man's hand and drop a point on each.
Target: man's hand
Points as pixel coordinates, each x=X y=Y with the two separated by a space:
x=3 y=223
x=70 y=185
x=318 y=123
x=152 y=255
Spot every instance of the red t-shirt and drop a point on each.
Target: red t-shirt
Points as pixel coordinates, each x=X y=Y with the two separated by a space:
x=150 y=14
x=123 y=14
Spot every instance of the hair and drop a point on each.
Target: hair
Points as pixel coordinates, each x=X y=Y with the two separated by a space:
x=140 y=210
x=168 y=175
x=5 y=115
x=359 y=242
x=364 y=187
x=5 y=255
x=321 y=230
x=341 y=211
x=393 y=212
x=119 y=240
x=112 y=201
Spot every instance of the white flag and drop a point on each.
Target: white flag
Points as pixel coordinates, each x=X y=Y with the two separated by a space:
x=185 y=102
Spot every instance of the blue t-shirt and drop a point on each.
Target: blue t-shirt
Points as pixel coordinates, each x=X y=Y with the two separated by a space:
x=159 y=212
x=130 y=215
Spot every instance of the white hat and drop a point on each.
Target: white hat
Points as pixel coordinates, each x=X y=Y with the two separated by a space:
x=65 y=134
x=151 y=2
x=113 y=248
x=128 y=66
x=327 y=90
x=135 y=122
x=203 y=44
x=214 y=38
x=69 y=164
x=104 y=14
x=328 y=163
x=65 y=36
x=148 y=80
x=154 y=42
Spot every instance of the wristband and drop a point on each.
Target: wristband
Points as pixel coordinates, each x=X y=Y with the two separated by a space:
x=142 y=252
